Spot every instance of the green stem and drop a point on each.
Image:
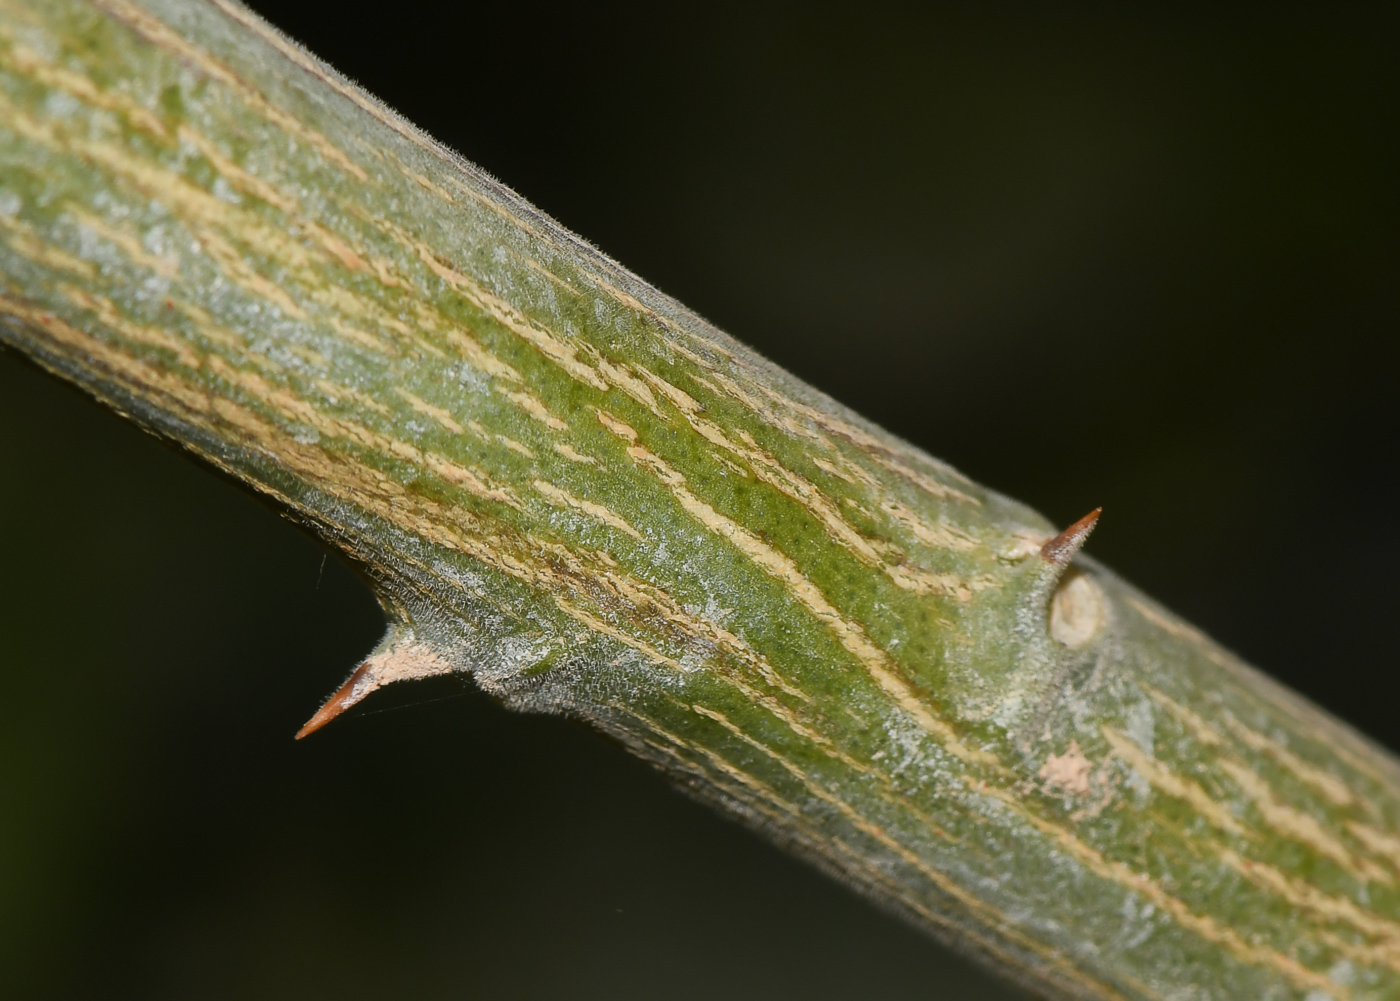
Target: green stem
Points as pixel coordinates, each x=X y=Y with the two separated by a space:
x=572 y=488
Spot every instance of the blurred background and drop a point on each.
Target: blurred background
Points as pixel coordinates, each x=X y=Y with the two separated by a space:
x=1145 y=259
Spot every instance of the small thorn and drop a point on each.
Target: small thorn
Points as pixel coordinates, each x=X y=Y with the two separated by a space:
x=1061 y=549
x=342 y=700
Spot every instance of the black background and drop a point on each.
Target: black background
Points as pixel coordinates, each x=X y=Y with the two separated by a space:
x=1145 y=260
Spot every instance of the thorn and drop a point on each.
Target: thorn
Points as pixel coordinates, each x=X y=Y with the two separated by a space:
x=1061 y=549
x=342 y=700
x=398 y=657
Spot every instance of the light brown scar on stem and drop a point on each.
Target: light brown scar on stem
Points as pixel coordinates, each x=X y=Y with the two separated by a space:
x=1068 y=771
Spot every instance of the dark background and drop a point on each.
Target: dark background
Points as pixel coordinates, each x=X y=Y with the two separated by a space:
x=1145 y=260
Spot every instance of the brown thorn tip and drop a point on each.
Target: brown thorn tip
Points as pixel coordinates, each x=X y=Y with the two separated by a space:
x=336 y=704
x=1061 y=549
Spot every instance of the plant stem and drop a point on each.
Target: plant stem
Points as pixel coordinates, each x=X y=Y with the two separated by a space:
x=569 y=486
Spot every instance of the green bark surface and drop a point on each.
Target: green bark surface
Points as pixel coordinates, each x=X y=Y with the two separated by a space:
x=572 y=488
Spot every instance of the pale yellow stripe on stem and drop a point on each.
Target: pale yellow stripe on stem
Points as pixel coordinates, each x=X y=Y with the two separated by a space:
x=248 y=183
x=471 y=349
x=1302 y=895
x=109 y=316
x=885 y=454
x=310 y=355
x=631 y=302
x=850 y=634
x=426 y=184
x=26 y=62
x=562 y=498
x=293 y=407
x=340 y=250
x=756 y=796
x=336 y=391
x=798 y=488
x=1199 y=924
x=831 y=470
x=679 y=398
x=599 y=626
x=428 y=410
x=612 y=424
x=244 y=274
x=1199 y=728
x=534 y=408
x=844 y=469
x=515 y=446
x=636 y=599
x=698 y=360
x=567 y=452
x=1328 y=785
x=938 y=536
x=1377 y=842
x=562 y=354
x=923 y=481
x=860 y=822
x=529 y=262
x=341 y=303
x=160 y=35
x=25 y=242
x=946 y=884
x=206 y=327
x=1164 y=780
x=126 y=242
x=766 y=413
x=622 y=377
x=1299 y=826
x=889 y=794
x=643 y=596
